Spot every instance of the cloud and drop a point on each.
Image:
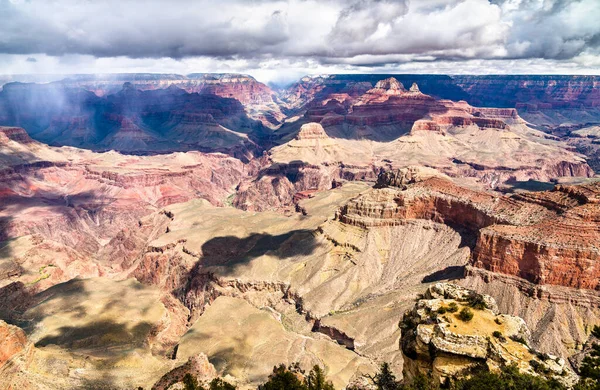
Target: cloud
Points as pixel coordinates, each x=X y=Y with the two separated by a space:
x=31 y=59
x=356 y=33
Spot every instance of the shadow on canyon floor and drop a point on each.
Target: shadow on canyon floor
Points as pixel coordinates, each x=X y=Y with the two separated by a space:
x=101 y=335
x=448 y=273
x=231 y=251
x=529 y=185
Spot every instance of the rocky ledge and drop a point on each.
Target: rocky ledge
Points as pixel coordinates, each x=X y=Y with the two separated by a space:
x=453 y=330
x=547 y=237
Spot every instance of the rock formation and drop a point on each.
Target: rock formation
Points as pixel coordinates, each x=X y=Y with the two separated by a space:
x=132 y=270
x=437 y=341
x=198 y=366
x=529 y=236
x=508 y=91
x=13 y=341
x=132 y=120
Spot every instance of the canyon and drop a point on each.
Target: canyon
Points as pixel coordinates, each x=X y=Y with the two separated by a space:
x=153 y=225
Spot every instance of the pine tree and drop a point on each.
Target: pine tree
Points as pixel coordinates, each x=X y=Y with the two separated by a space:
x=590 y=370
x=283 y=379
x=385 y=379
x=317 y=381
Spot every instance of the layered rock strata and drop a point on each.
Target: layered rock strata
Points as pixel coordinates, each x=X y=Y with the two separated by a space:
x=546 y=237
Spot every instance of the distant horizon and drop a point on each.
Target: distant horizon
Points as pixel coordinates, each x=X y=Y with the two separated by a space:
x=52 y=77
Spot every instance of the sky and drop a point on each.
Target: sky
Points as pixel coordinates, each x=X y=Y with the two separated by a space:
x=279 y=41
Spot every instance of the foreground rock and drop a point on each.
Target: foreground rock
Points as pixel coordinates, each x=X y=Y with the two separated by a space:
x=437 y=341
x=13 y=341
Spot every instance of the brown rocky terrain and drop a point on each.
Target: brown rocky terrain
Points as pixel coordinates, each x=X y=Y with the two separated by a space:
x=119 y=271
x=391 y=127
x=76 y=202
x=531 y=236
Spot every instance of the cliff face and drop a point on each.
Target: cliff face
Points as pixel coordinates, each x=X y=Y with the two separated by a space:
x=13 y=341
x=256 y=97
x=546 y=238
x=508 y=91
x=134 y=120
x=559 y=250
x=517 y=91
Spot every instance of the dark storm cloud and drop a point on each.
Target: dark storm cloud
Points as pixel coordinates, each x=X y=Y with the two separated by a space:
x=359 y=32
x=138 y=29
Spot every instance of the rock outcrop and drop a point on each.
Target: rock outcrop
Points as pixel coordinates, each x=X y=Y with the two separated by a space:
x=311 y=131
x=198 y=366
x=13 y=339
x=440 y=342
x=547 y=237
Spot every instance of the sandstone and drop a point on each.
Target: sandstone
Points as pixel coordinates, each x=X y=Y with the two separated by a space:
x=532 y=237
x=311 y=131
x=438 y=343
x=13 y=339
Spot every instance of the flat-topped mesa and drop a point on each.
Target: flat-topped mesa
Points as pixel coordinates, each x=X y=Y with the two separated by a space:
x=432 y=198
x=16 y=134
x=312 y=131
x=439 y=341
x=427 y=125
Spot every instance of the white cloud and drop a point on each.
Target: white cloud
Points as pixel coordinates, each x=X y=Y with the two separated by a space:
x=295 y=35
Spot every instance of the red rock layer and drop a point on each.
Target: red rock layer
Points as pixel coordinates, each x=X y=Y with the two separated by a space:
x=546 y=237
x=389 y=103
x=13 y=341
x=311 y=131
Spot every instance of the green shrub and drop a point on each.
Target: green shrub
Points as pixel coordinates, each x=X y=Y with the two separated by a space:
x=542 y=356
x=497 y=334
x=538 y=367
x=452 y=307
x=284 y=378
x=590 y=370
x=190 y=382
x=465 y=314
x=508 y=379
x=316 y=380
x=385 y=379
x=442 y=310
x=220 y=384
x=596 y=331
x=476 y=302
x=519 y=339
